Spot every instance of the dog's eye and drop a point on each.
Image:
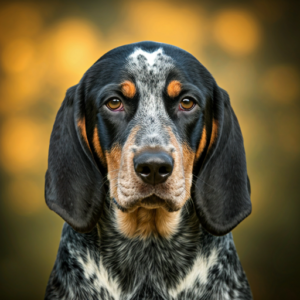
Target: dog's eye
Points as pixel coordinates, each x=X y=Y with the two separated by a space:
x=114 y=104
x=186 y=104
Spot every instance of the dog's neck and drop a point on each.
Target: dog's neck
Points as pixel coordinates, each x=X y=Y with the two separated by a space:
x=158 y=261
x=169 y=258
x=144 y=223
x=148 y=268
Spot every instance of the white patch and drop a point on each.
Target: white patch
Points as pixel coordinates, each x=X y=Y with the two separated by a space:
x=102 y=278
x=150 y=57
x=199 y=272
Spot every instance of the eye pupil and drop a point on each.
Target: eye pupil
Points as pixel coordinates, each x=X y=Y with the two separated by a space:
x=187 y=104
x=114 y=104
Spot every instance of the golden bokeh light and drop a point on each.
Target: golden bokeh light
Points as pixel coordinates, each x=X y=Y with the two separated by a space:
x=47 y=46
x=17 y=55
x=19 y=20
x=24 y=196
x=160 y=21
x=75 y=45
x=14 y=93
x=270 y=12
x=282 y=83
x=236 y=31
x=233 y=72
x=288 y=133
x=21 y=144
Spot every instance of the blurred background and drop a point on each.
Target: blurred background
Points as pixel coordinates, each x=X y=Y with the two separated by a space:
x=251 y=48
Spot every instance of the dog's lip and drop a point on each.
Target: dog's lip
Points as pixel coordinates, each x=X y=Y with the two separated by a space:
x=150 y=202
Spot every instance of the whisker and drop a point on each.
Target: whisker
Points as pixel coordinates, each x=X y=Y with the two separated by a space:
x=103 y=183
x=194 y=182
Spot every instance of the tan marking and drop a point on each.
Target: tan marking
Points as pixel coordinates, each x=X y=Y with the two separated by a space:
x=120 y=166
x=144 y=222
x=167 y=222
x=127 y=188
x=202 y=144
x=214 y=133
x=82 y=128
x=97 y=146
x=128 y=89
x=188 y=164
x=187 y=161
x=174 y=88
x=113 y=159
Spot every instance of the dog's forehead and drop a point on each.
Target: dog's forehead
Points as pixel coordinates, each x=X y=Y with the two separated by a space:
x=150 y=57
x=149 y=66
x=150 y=70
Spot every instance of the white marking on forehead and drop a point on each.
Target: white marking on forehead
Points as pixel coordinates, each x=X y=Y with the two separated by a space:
x=150 y=71
x=150 y=57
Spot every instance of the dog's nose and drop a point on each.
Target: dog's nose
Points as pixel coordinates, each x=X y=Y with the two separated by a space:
x=153 y=167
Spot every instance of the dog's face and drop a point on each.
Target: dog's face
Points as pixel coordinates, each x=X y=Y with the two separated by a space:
x=151 y=118
x=147 y=117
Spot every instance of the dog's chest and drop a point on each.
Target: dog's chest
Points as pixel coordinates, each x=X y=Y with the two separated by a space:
x=105 y=265
x=152 y=272
x=153 y=268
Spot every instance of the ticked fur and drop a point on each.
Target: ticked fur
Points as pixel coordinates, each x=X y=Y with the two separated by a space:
x=137 y=250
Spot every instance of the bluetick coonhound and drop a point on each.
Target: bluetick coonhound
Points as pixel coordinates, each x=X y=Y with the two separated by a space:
x=147 y=167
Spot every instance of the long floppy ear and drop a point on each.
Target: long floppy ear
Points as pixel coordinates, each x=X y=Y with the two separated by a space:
x=74 y=185
x=222 y=188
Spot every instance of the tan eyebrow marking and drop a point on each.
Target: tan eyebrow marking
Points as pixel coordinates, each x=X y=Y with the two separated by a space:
x=174 y=88
x=128 y=89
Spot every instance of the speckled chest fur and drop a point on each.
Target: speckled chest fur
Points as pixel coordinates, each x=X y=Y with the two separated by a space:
x=147 y=167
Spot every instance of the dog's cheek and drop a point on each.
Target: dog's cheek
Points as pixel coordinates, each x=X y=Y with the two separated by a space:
x=82 y=129
x=177 y=156
x=202 y=144
x=188 y=164
x=98 y=148
x=113 y=158
x=205 y=138
x=126 y=176
x=214 y=134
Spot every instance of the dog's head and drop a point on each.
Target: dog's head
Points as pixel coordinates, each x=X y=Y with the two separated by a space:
x=150 y=120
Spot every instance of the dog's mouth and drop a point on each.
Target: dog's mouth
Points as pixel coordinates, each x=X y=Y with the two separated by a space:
x=151 y=202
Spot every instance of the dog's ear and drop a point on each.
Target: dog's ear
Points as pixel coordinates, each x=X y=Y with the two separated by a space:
x=222 y=188
x=74 y=185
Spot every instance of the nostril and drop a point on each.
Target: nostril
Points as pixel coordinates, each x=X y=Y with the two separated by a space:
x=145 y=171
x=163 y=171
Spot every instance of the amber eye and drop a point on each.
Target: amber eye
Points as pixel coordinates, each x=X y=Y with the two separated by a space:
x=114 y=104
x=186 y=104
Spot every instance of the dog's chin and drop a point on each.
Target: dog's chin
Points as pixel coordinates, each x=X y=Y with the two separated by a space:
x=151 y=202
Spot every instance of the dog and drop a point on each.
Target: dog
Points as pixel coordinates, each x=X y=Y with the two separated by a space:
x=147 y=167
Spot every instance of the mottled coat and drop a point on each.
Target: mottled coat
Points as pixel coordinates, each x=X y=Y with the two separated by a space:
x=147 y=167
